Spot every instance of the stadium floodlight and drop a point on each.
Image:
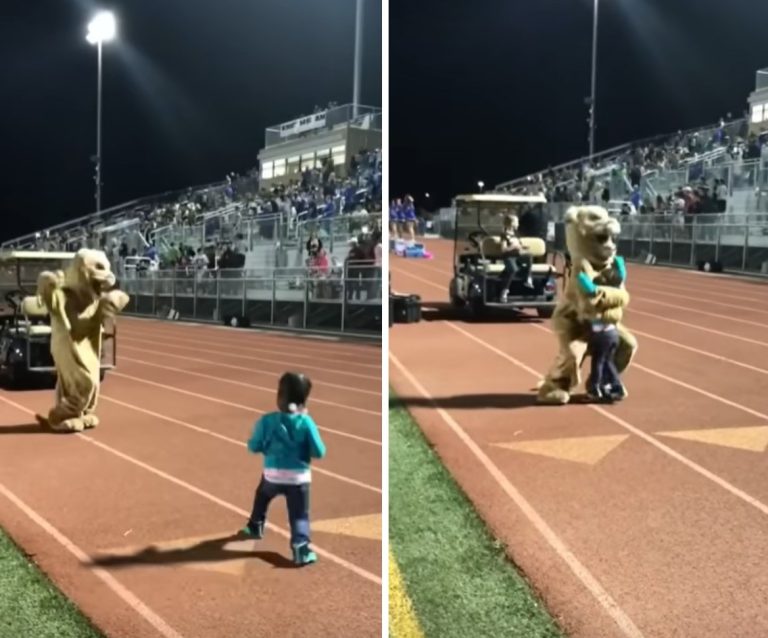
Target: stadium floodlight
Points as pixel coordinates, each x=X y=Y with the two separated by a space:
x=481 y=185
x=593 y=94
x=102 y=28
x=358 y=66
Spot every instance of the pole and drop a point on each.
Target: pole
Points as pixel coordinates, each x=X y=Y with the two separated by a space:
x=98 y=136
x=593 y=95
x=358 y=59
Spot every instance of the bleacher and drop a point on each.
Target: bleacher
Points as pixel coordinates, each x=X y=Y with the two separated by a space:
x=653 y=167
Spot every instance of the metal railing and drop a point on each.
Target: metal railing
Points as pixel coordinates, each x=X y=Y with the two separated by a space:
x=332 y=117
x=346 y=301
x=617 y=151
x=113 y=215
x=761 y=79
x=738 y=242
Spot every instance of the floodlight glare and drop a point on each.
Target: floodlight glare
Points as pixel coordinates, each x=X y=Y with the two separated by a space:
x=102 y=28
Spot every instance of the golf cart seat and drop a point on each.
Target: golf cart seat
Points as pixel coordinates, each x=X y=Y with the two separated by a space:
x=36 y=322
x=493 y=254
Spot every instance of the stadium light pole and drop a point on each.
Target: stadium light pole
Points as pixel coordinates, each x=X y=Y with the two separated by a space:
x=358 y=59
x=593 y=93
x=102 y=28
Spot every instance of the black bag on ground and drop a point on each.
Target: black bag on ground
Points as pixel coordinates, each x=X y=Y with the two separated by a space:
x=405 y=308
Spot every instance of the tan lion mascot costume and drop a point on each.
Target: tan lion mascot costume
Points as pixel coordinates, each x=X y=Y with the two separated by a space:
x=590 y=235
x=78 y=301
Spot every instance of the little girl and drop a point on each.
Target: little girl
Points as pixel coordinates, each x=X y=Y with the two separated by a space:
x=604 y=382
x=288 y=439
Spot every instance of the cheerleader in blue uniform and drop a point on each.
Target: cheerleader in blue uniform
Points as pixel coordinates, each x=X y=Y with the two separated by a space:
x=408 y=216
x=394 y=219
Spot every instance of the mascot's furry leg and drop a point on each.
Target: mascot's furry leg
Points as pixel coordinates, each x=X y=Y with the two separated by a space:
x=563 y=376
x=74 y=406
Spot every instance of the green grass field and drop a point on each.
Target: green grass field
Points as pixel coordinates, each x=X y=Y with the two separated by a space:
x=30 y=606
x=456 y=574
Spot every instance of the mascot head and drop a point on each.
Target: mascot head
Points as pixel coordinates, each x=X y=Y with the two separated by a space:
x=90 y=272
x=590 y=233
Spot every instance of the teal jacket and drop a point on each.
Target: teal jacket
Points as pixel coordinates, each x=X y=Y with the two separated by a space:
x=588 y=286
x=287 y=441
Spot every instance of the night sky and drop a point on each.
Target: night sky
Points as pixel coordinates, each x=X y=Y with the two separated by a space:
x=493 y=89
x=188 y=90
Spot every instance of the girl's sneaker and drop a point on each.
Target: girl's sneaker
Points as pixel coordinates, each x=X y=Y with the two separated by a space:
x=256 y=531
x=617 y=392
x=303 y=555
x=594 y=393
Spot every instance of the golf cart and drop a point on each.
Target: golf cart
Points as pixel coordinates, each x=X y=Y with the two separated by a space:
x=479 y=259
x=25 y=330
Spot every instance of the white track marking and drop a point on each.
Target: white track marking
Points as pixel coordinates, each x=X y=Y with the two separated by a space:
x=243 y=347
x=252 y=359
x=208 y=496
x=750 y=500
x=240 y=406
x=122 y=592
x=228 y=439
x=229 y=366
x=243 y=384
x=622 y=620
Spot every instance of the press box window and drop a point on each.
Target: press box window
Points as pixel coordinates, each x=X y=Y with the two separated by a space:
x=267 y=170
x=339 y=155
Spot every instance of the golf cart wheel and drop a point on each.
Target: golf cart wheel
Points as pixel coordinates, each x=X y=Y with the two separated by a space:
x=456 y=301
x=476 y=309
x=15 y=378
x=545 y=313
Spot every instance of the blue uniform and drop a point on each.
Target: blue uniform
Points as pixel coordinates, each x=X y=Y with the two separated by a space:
x=409 y=213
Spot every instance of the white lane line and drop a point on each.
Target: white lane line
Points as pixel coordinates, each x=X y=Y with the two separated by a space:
x=208 y=496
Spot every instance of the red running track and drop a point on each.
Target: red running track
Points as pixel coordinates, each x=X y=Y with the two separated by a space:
x=646 y=518
x=136 y=520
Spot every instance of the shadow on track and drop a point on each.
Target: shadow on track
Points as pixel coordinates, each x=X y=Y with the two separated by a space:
x=210 y=551
x=442 y=311
x=25 y=428
x=509 y=401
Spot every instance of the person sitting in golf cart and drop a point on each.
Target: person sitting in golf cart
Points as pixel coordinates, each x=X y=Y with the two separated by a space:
x=517 y=260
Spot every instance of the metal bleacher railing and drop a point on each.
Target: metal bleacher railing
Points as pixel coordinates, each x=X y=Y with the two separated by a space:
x=346 y=299
x=367 y=117
x=125 y=213
x=739 y=241
x=616 y=153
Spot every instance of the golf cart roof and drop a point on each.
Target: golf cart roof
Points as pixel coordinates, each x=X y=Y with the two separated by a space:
x=34 y=255
x=500 y=198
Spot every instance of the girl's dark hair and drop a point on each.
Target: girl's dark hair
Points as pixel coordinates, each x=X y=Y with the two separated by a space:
x=295 y=388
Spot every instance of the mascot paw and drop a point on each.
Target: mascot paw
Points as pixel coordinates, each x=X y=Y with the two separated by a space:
x=90 y=421
x=69 y=425
x=555 y=397
x=550 y=394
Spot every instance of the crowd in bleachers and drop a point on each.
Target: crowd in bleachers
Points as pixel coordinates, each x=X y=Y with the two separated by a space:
x=618 y=176
x=215 y=220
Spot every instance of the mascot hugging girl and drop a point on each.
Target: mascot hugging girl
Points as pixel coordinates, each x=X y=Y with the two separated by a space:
x=589 y=315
